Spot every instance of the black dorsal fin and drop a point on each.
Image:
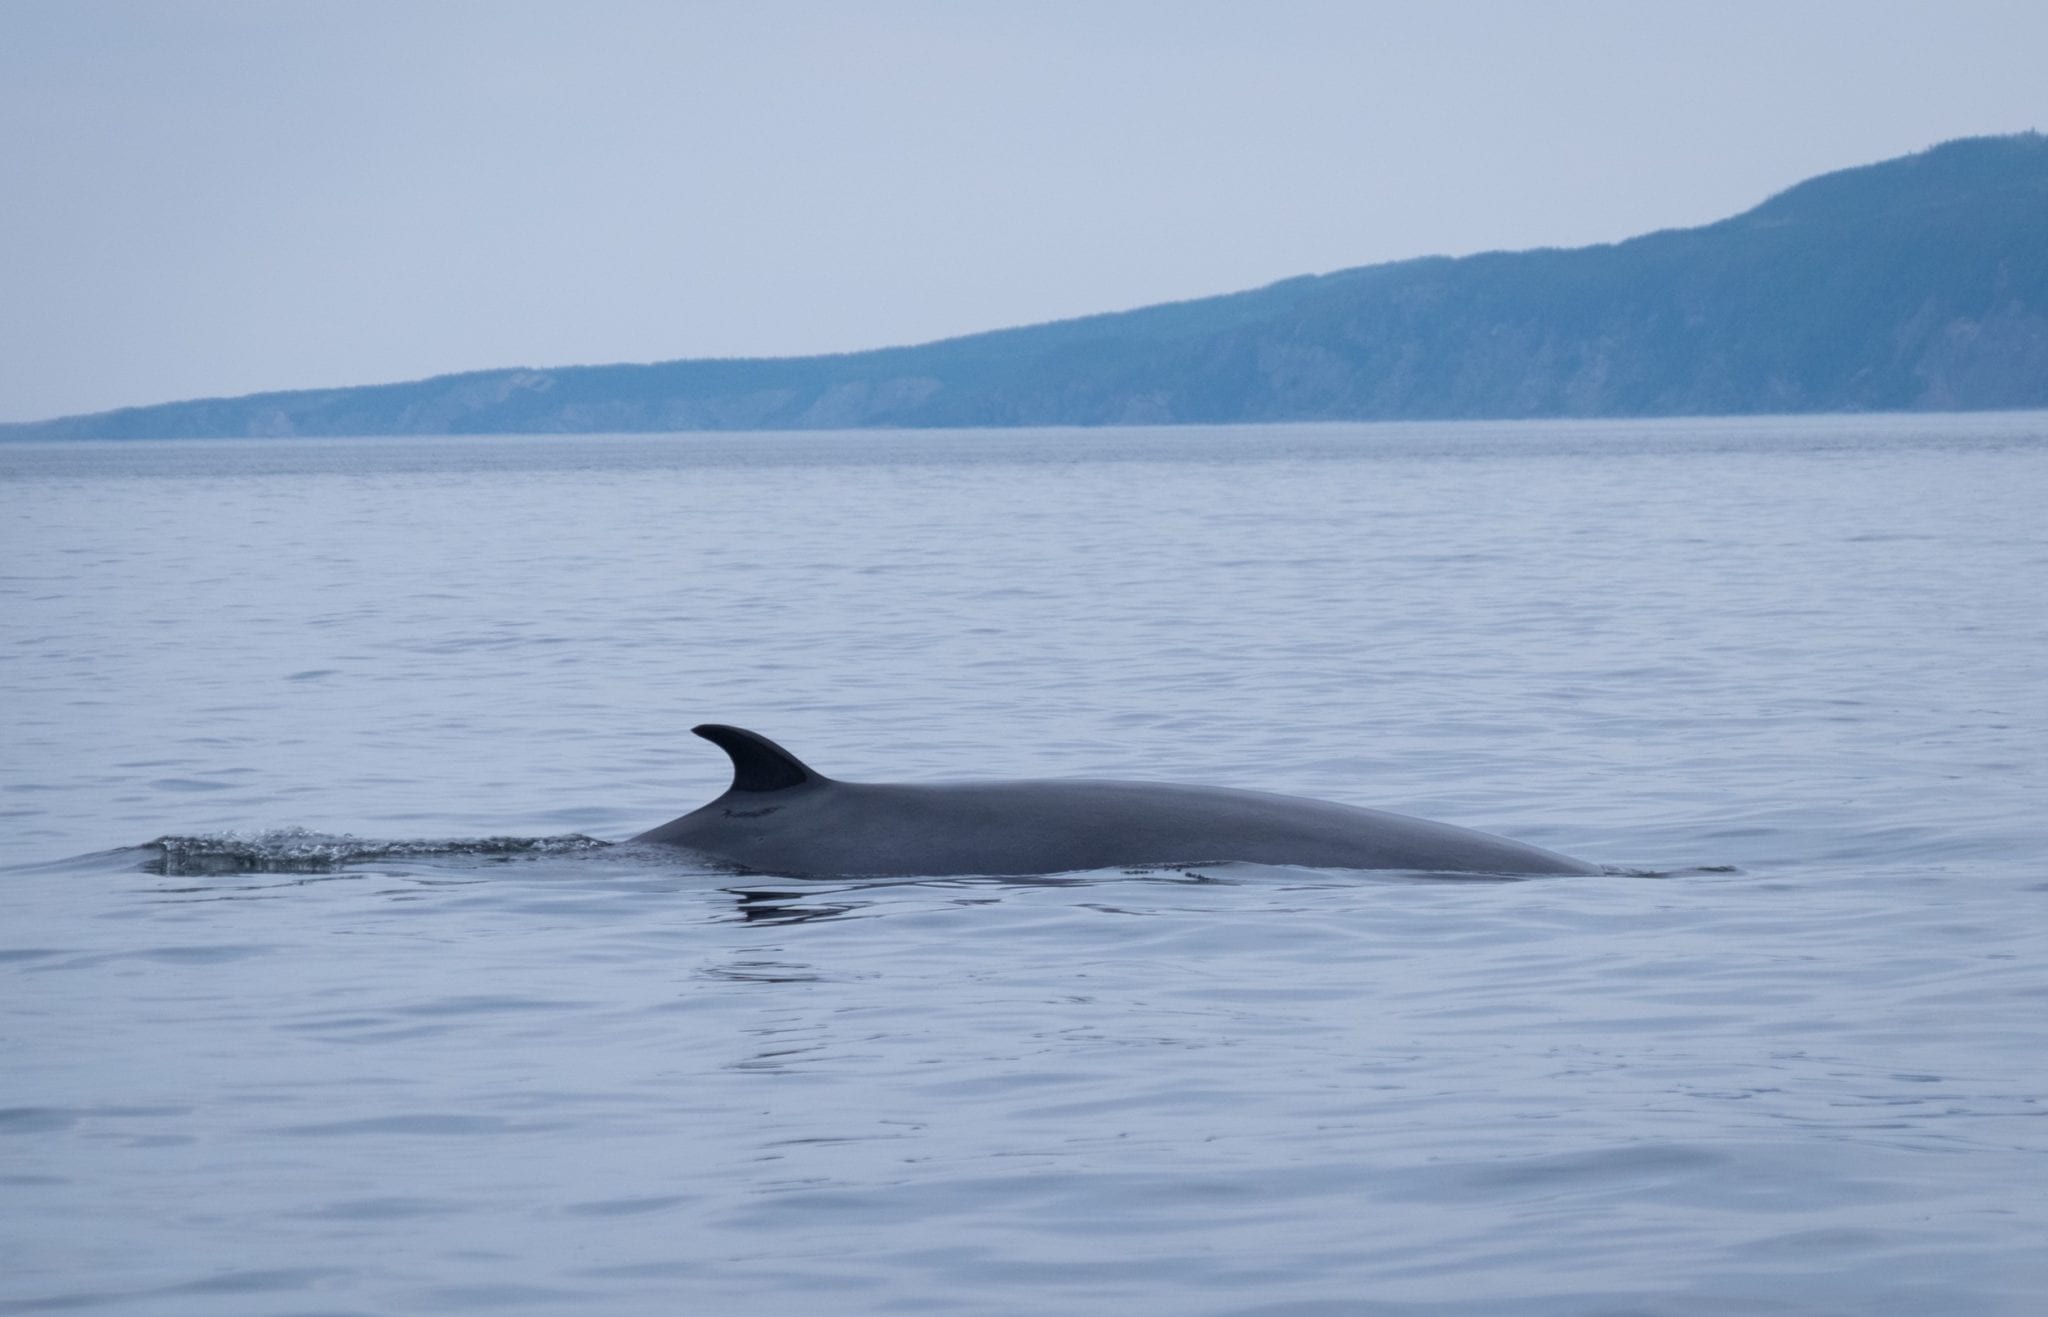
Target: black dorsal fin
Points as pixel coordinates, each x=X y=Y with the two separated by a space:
x=758 y=764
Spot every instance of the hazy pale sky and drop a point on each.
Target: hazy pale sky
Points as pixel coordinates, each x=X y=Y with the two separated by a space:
x=203 y=197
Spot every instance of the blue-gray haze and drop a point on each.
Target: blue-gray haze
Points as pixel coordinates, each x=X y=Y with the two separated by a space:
x=1912 y=284
x=215 y=197
x=1787 y=1057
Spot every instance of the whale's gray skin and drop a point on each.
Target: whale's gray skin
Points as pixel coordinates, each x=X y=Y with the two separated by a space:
x=781 y=817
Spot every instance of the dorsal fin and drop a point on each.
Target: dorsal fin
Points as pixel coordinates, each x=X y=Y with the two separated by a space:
x=758 y=764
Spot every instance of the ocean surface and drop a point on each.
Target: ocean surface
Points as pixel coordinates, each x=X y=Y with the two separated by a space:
x=314 y=999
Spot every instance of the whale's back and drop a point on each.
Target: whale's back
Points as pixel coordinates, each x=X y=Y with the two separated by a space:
x=845 y=829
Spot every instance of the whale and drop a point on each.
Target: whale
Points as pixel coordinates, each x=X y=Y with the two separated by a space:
x=781 y=817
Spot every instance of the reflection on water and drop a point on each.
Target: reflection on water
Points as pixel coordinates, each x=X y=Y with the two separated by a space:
x=302 y=858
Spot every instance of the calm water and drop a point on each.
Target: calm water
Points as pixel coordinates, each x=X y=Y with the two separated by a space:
x=1786 y=677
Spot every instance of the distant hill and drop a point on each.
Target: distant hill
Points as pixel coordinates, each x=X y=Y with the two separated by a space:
x=1916 y=284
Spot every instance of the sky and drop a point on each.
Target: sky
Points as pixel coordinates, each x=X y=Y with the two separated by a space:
x=215 y=197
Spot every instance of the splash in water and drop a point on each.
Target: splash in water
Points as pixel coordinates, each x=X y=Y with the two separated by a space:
x=297 y=850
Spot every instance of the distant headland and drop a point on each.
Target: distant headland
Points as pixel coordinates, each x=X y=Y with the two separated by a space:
x=1919 y=283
